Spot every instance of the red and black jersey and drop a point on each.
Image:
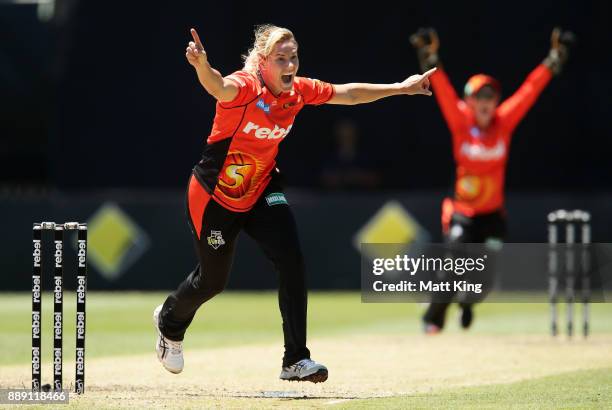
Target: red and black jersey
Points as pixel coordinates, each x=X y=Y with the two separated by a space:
x=241 y=149
x=481 y=154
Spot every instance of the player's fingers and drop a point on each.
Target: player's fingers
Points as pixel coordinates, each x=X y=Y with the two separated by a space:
x=193 y=49
x=429 y=72
x=554 y=38
x=193 y=45
x=196 y=37
x=434 y=37
x=435 y=40
x=416 y=41
x=424 y=90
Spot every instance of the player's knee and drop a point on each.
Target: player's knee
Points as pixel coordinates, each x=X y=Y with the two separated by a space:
x=292 y=263
x=457 y=234
x=296 y=260
x=209 y=290
x=207 y=286
x=216 y=288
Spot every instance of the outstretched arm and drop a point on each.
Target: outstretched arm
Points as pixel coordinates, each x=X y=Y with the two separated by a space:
x=450 y=104
x=221 y=89
x=516 y=107
x=427 y=43
x=360 y=93
x=513 y=109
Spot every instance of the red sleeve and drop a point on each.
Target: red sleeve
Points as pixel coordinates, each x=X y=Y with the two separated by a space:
x=512 y=111
x=315 y=92
x=452 y=107
x=248 y=88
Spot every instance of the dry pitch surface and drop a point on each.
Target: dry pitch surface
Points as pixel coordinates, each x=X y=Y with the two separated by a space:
x=363 y=366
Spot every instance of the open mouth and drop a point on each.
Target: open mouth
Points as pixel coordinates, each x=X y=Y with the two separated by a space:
x=287 y=79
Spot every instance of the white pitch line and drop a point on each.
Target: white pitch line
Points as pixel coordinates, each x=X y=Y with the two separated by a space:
x=337 y=401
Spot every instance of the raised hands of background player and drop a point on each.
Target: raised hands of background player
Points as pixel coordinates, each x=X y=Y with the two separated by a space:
x=418 y=83
x=427 y=43
x=560 y=43
x=195 y=50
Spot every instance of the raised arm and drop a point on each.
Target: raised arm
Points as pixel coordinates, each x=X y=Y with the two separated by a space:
x=427 y=43
x=513 y=109
x=360 y=93
x=451 y=105
x=221 y=89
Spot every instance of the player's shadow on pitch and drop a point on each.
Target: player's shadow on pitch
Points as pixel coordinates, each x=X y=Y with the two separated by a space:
x=289 y=395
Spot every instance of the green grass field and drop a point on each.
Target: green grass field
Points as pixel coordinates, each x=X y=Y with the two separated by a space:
x=376 y=354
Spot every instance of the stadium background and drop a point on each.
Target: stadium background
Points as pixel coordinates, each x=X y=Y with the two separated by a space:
x=102 y=117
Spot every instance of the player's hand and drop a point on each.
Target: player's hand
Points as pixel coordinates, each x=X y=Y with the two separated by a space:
x=417 y=84
x=195 y=51
x=426 y=38
x=560 y=43
x=427 y=44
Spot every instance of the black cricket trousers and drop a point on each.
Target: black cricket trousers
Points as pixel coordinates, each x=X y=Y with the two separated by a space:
x=477 y=229
x=215 y=230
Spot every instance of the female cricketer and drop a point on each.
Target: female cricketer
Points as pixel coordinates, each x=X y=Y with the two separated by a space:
x=236 y=186
x=481 y=130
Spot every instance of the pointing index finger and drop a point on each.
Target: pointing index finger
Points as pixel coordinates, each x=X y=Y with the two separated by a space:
x=196 y=38
x=429 y=72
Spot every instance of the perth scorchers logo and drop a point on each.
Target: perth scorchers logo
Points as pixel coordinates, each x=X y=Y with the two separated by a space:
x=469 y=187
x=236 y=177
x=476 y=190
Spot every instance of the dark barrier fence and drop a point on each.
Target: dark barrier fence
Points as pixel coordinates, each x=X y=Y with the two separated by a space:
x=61 y=100
x=142 y=241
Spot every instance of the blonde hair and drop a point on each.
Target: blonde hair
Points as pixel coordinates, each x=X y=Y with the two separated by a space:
x=266 y=37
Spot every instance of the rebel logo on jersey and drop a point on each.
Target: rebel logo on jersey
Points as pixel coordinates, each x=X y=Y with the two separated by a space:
x=263 y=132
x=248 y=131
x=481 y=154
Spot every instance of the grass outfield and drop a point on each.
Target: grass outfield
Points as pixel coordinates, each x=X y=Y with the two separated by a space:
x=376 y=354
x=579 y=389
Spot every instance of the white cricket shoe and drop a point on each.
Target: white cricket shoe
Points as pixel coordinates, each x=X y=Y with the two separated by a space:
x=305 y=370
x=169 y=352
